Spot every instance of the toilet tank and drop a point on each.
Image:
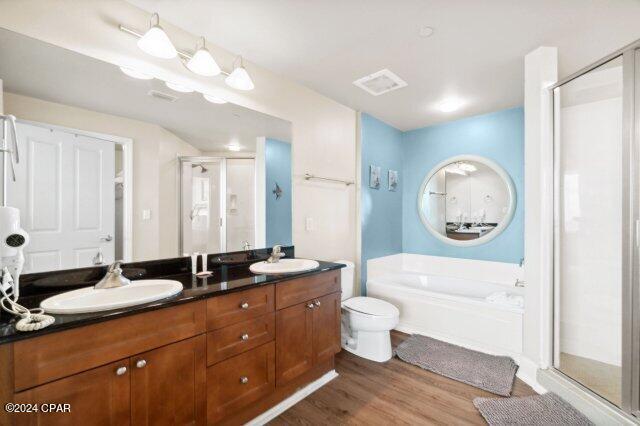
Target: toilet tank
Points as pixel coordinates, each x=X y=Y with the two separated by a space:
x=346 y=278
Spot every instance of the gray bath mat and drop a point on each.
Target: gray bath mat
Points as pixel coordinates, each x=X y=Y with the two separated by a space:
x=489 y=372
x=547 y=409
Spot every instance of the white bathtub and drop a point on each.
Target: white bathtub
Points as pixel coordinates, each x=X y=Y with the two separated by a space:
x=453 y=310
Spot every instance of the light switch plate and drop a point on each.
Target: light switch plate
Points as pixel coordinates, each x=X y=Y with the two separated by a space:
x=146 y=214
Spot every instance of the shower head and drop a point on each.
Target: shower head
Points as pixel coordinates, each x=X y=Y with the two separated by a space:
x=203 y=169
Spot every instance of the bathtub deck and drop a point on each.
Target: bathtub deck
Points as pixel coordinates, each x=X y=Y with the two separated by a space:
x=392 y=393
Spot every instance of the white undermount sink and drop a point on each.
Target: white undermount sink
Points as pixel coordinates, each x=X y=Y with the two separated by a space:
x=283 y=266
x=88 y=299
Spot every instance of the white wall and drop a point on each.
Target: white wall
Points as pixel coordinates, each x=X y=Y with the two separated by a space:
x=541 y=67
x=324 y=131
x=155 y=168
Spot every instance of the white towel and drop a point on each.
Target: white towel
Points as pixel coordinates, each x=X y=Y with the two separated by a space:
x=506 y=299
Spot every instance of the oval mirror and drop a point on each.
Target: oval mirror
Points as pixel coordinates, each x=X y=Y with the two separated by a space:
x=466 y=200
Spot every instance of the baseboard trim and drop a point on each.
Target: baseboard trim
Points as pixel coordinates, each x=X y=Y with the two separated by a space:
x=301 y=394
x=527 y=371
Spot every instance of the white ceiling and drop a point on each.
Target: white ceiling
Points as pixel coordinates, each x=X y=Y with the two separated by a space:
x=476 y=52
x=32 y=68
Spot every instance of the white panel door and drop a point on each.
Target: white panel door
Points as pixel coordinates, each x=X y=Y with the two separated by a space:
x=65 y=192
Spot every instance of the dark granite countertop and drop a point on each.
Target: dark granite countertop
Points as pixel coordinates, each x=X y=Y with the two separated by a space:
x=226 y=278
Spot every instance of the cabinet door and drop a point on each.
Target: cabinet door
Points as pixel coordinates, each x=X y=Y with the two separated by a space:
x=294 y=342
x=326 y=327
x=168 y=384
x=100 y=396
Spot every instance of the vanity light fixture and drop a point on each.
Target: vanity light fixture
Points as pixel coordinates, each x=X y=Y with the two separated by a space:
x=214 y=99
x=202 y=63
x=155 y=41
x=178 y=87
x=135 y=73
x=239 y=77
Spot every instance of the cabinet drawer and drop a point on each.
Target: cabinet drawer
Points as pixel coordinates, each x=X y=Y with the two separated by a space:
x=53 y=356
x=235 y=339
x=240 y=381
x=238 y=307
x=300 y=290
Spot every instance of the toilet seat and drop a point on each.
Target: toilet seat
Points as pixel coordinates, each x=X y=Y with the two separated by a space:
x=371 y=306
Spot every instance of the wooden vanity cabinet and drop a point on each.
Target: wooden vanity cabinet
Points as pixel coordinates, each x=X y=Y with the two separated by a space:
x=307 y=334
x=220 y=361
x=99 y=394
x=165 y=386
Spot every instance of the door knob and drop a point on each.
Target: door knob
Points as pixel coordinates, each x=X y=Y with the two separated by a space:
x=245 y=336
x=107 y=238
x=141 y=363
x=244 y=380
x=244 y=305
x=121 y=371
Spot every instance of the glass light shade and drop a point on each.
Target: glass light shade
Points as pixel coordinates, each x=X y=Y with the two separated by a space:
x=135 y=73
x=156 y=43
x=239 y=79
x=202 y=63
x=214 y=99
x=178 y=87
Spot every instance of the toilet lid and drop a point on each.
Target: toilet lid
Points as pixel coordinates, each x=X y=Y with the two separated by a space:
x=371 y=306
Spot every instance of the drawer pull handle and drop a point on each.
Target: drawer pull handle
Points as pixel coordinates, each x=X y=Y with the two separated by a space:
x=317 y=303
x=141 y=363
x=310 y=306
x=244 y=380
x=121 y=371
x=244 y=305
x=245 y=336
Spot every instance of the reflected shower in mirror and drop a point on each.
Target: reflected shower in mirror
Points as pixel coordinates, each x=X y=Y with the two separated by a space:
x=116 y=166
x=466 y=200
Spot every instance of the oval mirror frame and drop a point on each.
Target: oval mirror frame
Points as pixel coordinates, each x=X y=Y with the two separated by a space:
x=502 y=173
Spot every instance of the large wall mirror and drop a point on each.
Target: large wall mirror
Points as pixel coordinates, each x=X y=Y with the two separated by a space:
x=117 y=166
x=466 y=200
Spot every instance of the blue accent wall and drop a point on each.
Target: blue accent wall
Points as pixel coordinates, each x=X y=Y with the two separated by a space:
x=498 y=136
x=381 y=209
x=278 y=212
x=390 y=221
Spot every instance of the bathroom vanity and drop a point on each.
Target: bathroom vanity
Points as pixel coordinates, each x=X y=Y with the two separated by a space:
x=224 y=350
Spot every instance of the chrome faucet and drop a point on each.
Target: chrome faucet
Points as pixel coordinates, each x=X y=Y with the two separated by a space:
x=276 y=254
x=246 y=246
x=114 y=277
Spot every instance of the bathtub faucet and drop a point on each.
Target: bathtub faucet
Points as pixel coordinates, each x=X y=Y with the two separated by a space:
x=519 y=283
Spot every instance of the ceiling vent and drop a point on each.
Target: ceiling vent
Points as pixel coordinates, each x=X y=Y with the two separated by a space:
x=162 y=96
x=380 y=82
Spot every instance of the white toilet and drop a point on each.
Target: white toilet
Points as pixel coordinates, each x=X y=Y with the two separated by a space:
x=366 y=321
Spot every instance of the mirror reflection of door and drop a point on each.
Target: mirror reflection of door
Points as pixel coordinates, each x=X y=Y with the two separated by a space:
x=66 y=191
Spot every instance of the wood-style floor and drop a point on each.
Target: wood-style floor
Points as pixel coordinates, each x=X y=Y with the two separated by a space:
x=370 y=393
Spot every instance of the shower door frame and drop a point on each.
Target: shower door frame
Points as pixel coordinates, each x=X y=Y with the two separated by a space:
x=630 y=297
x=223 y=198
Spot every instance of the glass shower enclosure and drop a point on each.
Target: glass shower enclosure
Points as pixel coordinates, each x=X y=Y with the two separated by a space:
x=217 y=204
x=596 y=233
